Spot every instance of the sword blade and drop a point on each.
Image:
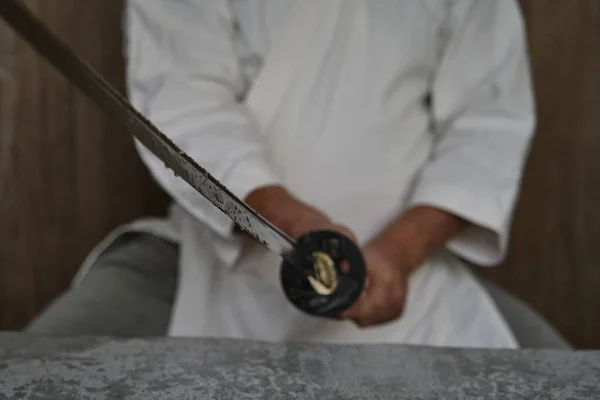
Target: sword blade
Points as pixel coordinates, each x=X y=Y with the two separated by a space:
x=102 y=93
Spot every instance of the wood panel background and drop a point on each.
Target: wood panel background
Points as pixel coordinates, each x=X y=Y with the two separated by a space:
x=68 y=174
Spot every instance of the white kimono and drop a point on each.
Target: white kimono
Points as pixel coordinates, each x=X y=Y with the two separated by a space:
x=360 y=108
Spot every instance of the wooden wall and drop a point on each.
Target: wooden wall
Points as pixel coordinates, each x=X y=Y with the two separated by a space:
x=68 y=174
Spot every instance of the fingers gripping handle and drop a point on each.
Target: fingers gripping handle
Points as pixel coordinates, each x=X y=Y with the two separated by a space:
x=333 y=278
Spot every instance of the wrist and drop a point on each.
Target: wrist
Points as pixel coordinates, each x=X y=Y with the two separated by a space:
x=416 y=234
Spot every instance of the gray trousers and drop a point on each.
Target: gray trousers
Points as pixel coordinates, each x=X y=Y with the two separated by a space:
x=131 y=288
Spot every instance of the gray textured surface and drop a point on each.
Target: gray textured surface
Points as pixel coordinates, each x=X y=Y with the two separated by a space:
x=35 y=367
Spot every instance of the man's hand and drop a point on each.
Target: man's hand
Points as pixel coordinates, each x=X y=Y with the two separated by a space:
x=385 y=289
x=291 y=215
x=393 y=255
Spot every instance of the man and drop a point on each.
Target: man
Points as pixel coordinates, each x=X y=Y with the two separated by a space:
x=403 y=124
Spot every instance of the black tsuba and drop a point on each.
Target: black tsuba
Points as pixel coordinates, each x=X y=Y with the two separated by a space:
x=349 y=268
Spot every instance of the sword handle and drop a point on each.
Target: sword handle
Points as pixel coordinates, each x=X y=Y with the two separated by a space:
x=325 y=275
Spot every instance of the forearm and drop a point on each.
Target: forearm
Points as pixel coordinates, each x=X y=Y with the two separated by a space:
x=483 y=119
x=417 y=233
x=275 y=204
x=283 y=210
x=290 y=214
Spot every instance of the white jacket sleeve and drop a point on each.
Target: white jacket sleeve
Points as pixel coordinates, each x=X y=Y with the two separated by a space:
x=484 y=117
x=183 y=75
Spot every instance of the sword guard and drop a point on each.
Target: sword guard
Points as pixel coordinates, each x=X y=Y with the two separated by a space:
x=325 y=275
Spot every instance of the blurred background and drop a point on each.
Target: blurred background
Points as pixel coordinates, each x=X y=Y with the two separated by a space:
x=68 y=174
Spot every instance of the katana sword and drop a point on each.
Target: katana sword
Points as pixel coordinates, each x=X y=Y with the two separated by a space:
x=322 y=272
